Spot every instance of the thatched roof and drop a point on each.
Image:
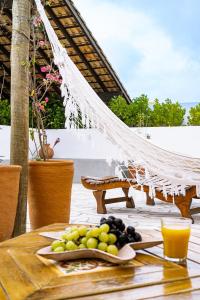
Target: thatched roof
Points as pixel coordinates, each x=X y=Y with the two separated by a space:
x=79 y=42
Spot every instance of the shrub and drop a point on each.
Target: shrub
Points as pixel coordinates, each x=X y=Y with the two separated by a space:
x=140 y=111
x=167 y=113
x=121 y=109
x=4 y=112
x=54 y=114
x=194 y=115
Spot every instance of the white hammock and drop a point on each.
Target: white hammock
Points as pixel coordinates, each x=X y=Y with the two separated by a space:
x=171 y=169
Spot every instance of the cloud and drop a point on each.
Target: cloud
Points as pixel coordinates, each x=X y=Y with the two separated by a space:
x=143 y=53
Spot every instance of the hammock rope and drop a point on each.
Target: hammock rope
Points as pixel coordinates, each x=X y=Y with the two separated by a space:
x=171 y=171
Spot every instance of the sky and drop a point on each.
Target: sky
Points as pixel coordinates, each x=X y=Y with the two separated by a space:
x=153 y=45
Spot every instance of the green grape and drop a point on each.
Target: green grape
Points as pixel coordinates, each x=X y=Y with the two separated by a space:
x=69 y=236
x=92 y=243
x=74 y=228
x=95 y=232
x=102 y=246
x=84 y=241
x=82 y=246
x=71 y=246
x=64 y=236
x=82 y=231
x=112 y=238
x=104 y=237
x=105 y=228
x=75 y=235
x=112 y=249
x=57 y=244
x=59 y=249
x=89 y=234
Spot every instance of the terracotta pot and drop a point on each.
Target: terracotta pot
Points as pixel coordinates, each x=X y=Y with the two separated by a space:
x=9 y=188
x=48 y=152
x=49 y=192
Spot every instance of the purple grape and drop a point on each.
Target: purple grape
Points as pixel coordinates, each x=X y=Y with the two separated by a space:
x=111 y=218
x=122 y=227
x=123 y=239
x=113 y=226
x=102 y=221
x=109 y=222
x=137 y=237
x=118 y=222
x=131 y=239
x=116 y=232
x=130 y=230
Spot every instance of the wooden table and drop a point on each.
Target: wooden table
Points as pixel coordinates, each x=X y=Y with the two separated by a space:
x=24 y=275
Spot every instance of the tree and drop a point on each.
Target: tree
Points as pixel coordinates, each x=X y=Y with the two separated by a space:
x=20 y=103
x=194 y=115
x=135 y=114
x=121 y=109
x=140 y=111
x=167 y=113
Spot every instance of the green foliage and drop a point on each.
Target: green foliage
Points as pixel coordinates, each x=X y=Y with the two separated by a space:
x=135 y=114
x=139 y=113
x=194 y=115
x=4 y=112
x=120 y=108
x=54 y=115
x=167 y=113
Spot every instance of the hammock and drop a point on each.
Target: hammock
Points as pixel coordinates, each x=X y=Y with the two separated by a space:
x=162 y=168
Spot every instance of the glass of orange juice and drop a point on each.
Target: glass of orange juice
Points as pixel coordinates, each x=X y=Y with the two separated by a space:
x=176 y=234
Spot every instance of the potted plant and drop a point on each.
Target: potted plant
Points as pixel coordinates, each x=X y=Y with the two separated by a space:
x=50 y=181
x=9 y=188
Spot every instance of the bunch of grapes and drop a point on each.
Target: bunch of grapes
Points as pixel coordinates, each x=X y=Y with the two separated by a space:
x=124 y=234
x=110 y=236
x=84 y=237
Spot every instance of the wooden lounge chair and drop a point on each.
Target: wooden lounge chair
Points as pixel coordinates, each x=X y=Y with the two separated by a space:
x=101 y=185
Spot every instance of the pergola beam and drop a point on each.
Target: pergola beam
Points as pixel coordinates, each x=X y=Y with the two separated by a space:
x=88 y=34
x=70 y=39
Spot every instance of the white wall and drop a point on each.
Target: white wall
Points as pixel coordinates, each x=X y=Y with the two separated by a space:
x=90 y=144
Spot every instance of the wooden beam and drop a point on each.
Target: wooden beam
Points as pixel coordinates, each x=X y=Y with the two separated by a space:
x=5 y=67
x=71 y=41
x=4 y=51
x=88 y=34
x=40 y=50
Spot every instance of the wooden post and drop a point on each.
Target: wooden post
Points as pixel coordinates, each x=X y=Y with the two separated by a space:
x=20 y=103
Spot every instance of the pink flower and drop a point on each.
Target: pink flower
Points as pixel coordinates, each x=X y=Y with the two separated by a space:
x=50 y=76
x=46 y=99
x=41 y=43
x=37 y=21
x=45 y=69
x=41 y=107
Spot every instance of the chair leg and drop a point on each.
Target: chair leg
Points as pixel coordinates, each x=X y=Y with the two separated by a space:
x=100 y=199
x=149 y=201
x=129 y=200
x=183 y=205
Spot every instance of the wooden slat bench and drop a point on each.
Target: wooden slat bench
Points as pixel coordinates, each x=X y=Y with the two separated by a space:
x=99 y=186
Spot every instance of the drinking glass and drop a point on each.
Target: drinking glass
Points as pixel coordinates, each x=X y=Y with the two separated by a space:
x=176 y=234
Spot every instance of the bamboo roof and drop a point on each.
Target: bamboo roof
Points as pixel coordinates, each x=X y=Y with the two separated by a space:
x=79 y=42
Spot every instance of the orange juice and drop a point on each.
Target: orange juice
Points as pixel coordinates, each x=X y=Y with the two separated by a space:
x=175 y=241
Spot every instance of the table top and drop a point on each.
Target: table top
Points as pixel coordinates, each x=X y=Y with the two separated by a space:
x=25 y=275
